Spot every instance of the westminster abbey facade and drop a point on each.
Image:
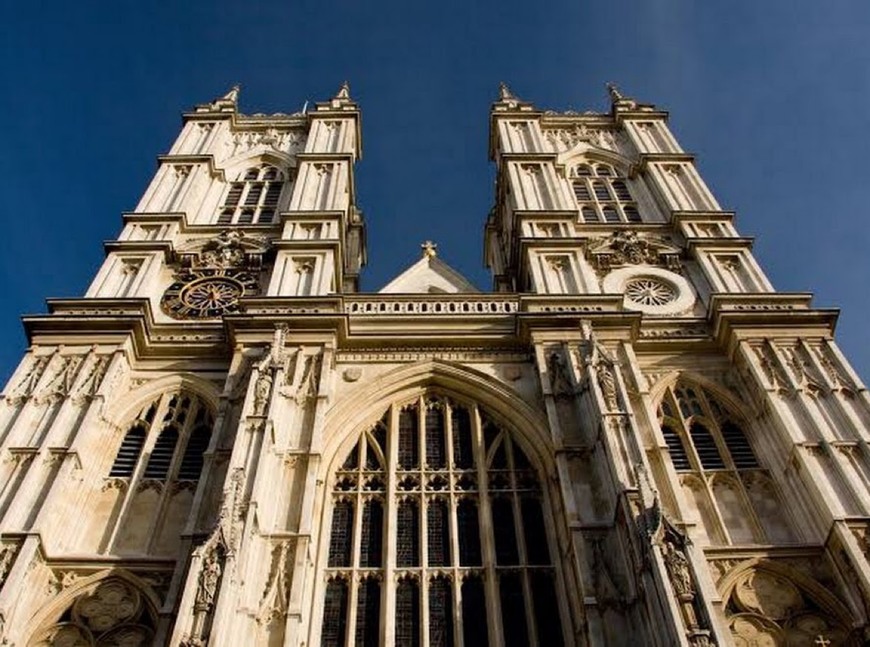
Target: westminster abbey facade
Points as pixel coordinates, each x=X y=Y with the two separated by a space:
x=633 y=439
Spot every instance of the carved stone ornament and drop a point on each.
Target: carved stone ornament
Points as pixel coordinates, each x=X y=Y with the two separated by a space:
x=564 y=139
x=61 y=378
x=286 y=141
x=273 y=606
x=92 y=379
x=309 y=383
x=26 y=385
x=767 y=358
x=8 y=551
x=215 y=276
x=632 y=248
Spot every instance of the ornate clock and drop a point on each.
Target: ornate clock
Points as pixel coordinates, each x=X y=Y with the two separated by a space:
x=215 y=278
x=204 y=293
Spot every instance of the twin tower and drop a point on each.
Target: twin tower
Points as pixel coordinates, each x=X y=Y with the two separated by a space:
x=631 y=440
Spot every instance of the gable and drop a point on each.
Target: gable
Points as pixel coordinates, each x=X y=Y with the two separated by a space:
x=429 y=275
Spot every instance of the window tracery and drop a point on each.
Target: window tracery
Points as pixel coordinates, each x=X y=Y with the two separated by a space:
x=602 y=194
x=253 y=197
x=159 y=462
x=733 y=493
x=468 y=509
x=110 y=612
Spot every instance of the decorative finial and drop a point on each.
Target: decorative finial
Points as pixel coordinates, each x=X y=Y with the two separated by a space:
x=344 y=91
x=232 y=95
x=615 y=94
x=504 y=92
x=429 y=249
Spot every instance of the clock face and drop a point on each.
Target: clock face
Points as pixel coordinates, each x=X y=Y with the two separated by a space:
x=201 y=294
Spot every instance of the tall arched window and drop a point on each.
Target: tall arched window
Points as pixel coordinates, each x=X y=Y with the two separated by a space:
x=253 y=197
x=602 y=194
x=734 y=495
x=437 y=535
x=179 y=440
x=156 y=470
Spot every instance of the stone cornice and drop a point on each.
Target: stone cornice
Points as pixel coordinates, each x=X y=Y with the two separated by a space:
x=738 y=316
x=679 y=217
x=208 y=160
x=720 y=242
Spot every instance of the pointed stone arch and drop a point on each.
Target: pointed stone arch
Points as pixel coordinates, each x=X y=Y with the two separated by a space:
x=97 y=609
x=762 y=595
x=366 y=404
x=238 y=163
x=585 y=151
x=125 y=408
x=746 y=411
x=508 y=443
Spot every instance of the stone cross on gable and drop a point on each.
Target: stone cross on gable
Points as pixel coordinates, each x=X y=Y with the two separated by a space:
x=821 y=641
x=429 y=249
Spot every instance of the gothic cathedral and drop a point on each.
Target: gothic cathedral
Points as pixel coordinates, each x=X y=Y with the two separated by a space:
x=632 y=440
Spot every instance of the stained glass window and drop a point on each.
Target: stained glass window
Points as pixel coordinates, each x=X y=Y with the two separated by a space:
x=403 y=471
x=368 y=613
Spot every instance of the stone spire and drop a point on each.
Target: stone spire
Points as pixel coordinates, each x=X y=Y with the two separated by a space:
x=232 y=95
x=504 y=92
x=343 y=92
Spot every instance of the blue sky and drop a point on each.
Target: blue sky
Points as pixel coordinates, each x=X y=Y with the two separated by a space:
x=772 y=96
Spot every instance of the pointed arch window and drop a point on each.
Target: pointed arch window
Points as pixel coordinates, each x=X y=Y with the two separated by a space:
x=736 y=497
x=602 y=194
x=468 y=508
x=253 y=198
x=157 y=466
x=177 y=443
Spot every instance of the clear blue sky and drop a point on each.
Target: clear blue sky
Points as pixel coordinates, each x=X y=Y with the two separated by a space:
x=773 y=96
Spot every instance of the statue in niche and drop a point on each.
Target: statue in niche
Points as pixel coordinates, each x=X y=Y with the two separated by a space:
x=560 y=382
x=263 y=386
x=607 y=383
x=209 y=577
x=678 y=568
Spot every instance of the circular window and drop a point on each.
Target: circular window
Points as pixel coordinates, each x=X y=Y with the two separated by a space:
x=651 y=290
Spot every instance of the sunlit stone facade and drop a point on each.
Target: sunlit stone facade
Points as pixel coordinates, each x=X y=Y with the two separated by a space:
x=632 y=440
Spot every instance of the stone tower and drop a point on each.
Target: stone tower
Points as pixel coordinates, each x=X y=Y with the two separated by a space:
x=632 y=440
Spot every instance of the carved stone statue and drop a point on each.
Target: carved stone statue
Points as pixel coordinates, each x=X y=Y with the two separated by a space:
x=607 y=383
x=678 y=569
x=209 y=577
x=263 y=386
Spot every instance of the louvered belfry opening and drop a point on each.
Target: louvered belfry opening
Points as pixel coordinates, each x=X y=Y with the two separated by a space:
x=457 y=488
x=737 y=501
x=171 y=447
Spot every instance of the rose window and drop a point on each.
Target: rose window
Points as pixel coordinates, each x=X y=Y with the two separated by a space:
x=648 y=291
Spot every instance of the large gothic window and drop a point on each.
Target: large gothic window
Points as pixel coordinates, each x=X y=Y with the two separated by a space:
x=437 y=536
x=155 y=472
x=735 y=497
x=602 y=194
x=253 y=197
